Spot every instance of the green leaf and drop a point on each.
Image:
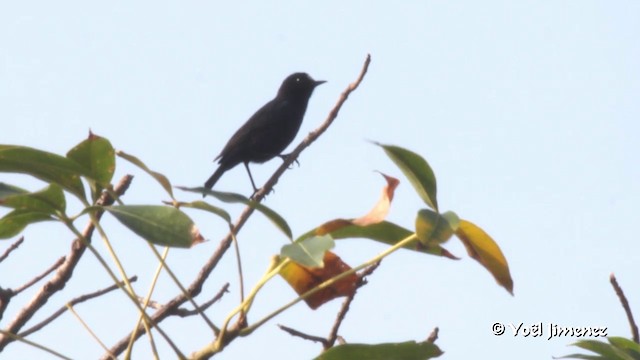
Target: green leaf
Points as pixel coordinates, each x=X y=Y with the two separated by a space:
x=49 y=201
x=97 y=157
x=409 y=350
x=385 y=232
x=583 y=357
x=308 y=252
x=14 y=222
x=161 y=225
x=202 y=205
x=8 y=190
x=45 y=166
x=161 y=179
x=228 y=197
x=628 y=346
x=607 y=351
x=434 y=228
x=619 y=349
x=417 y=170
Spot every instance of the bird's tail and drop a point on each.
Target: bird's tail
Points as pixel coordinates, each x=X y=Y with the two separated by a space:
x=215 y=177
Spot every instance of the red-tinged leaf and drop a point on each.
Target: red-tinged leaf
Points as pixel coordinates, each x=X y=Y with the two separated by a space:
x=97 y=157
x=484 y=249
x=303 y=279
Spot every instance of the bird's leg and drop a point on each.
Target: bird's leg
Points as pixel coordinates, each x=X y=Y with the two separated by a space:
x=255 y=189
x=284 y=157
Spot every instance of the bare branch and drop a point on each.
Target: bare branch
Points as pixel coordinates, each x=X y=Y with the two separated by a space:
x=627 y=308
x=151 y=303
x=5 y=297
x=11 y=248
x=73 y=302
x=31 y=282
x=7 y=294
x=196 y=286
x=182 y=312
x=434 y=335
x=314 y=135
x=333 y=334
x=294 y=332
x=185 y=312
x=64 y=272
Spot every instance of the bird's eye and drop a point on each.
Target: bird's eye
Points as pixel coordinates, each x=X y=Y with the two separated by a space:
x=298 y=79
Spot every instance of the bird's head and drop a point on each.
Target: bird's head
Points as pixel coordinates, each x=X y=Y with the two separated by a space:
x=298 y=85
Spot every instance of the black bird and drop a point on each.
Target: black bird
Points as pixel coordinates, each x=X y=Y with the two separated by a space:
x=270 y=130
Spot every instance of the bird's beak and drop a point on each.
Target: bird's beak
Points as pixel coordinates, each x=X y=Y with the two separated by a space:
x=318 y=82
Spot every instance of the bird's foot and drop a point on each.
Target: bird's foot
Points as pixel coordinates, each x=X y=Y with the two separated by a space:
x=284 y=157
x=255 y=191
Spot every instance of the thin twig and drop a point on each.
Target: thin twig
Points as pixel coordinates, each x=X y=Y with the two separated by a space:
x=239 y=262
x=171 y=307
x=182 y=312
x=73 y=302
x=314 y=135
x=5 y=298
x=627 y=308
x=151 y=303
x=86 y=327
x=34 y=344
x=294 y=332
x=11 y=248
x=186 y=312
x=333 y=334
x=434 y=335
x=196 y=286
x=64 y=272
x=31 y=282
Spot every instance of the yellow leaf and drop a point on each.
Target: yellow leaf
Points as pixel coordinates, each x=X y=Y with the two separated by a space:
x=482 y=248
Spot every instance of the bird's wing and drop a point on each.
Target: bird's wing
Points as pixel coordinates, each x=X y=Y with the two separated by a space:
x=265 y=116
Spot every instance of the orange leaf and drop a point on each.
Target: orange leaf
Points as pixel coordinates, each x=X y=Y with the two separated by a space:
x=331 y=226
x=303 y=279
x=376 y=215
x=380 y=211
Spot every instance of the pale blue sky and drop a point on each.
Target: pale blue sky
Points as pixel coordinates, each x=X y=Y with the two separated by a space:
x=527 y=111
